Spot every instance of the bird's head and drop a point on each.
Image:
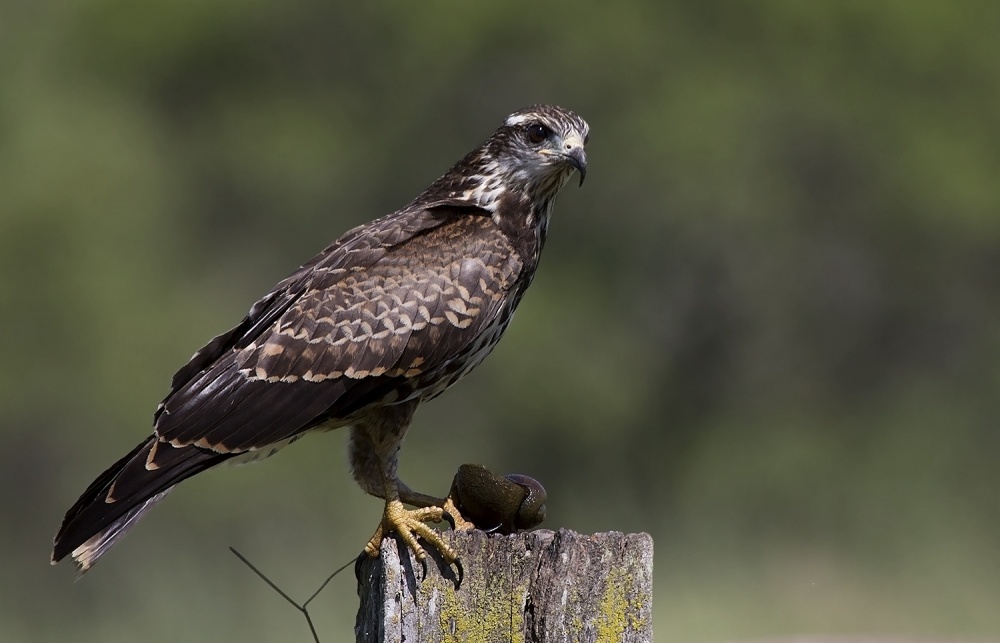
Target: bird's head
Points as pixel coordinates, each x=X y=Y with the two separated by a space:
x=529 y=158
x=541 y=144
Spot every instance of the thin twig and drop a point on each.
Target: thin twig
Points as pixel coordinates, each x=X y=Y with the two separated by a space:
x=327 y=581
x=304 y=606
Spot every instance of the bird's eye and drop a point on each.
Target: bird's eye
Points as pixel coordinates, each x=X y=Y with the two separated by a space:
x=537 y=133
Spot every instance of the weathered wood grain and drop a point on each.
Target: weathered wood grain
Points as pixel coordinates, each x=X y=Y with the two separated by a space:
x=533 y=587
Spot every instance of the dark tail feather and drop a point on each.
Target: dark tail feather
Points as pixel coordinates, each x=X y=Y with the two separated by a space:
x=119 y=497
x=87 y=553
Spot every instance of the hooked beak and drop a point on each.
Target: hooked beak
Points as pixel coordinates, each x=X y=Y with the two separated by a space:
x=578 y=158
x=573 y=151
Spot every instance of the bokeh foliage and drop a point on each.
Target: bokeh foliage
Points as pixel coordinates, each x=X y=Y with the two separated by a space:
x=766 y=329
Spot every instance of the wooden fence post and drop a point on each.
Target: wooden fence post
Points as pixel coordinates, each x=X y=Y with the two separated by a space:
x=533 y=587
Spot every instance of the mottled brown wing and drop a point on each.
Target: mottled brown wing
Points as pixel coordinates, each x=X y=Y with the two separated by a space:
x=358 y=327
x=362 y=245
x=212 y=397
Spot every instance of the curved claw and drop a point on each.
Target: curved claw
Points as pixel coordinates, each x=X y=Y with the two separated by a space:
x=453 y=510
x=410 y=524
x=461 y=573
x=448 y=518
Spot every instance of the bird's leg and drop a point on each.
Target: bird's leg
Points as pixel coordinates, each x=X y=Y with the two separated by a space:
x=409 y=524
x=374 y=451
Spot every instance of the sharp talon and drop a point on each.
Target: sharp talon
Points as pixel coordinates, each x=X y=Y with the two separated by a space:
x=457 y=519
x=374 y=545
x=423 y=568
x=449 y=519
x=461 y=573
x=410 y=525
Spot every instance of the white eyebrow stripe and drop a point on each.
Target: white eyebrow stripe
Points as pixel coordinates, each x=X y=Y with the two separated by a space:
x=517 y=119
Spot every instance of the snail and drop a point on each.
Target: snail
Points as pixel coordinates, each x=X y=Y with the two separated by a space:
x=497 y=504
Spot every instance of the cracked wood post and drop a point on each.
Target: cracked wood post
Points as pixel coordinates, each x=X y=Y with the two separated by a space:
x=534 y=587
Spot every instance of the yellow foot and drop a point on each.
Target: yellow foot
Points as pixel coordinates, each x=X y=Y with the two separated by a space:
x=409 y=524
x=458 y=522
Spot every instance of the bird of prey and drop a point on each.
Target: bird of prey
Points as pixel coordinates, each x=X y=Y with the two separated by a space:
x=387 y=316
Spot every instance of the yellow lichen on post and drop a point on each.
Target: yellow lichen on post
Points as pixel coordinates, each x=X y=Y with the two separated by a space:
x=557 y=587
x=483 y=609
x=620 y=608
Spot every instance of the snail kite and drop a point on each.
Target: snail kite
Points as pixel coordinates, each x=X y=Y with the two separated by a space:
x=389 y=315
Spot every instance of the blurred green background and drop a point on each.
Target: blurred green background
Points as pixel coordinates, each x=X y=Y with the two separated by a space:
x=765 y=331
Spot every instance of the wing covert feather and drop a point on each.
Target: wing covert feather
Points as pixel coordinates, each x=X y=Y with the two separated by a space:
x=376 y=306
